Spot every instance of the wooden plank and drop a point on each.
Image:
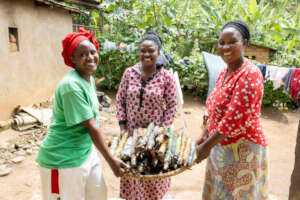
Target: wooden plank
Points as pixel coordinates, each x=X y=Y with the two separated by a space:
x=53 y=3
x=88 y=4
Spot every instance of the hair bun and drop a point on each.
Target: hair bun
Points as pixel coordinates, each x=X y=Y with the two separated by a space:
x=240 y=26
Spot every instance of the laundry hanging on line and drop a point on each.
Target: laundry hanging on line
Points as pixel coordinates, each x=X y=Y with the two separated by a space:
x=276 y=74
x=289 y=78
x=112 y=46
x=282 y=76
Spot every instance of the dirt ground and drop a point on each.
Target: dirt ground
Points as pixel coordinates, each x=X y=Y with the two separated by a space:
x=280 y=127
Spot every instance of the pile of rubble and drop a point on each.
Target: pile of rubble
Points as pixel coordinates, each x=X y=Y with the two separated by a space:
x=32 y=122
x=16 y=152
x=25 y=118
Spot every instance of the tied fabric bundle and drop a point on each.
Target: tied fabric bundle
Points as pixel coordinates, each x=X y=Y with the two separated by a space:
x=72 y=40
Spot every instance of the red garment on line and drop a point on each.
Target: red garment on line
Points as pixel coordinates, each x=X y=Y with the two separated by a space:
x=295 y=83
x=234 y=107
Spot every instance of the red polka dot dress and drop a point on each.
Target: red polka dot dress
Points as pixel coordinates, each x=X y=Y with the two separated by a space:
x=234 y=106
x=139 y=104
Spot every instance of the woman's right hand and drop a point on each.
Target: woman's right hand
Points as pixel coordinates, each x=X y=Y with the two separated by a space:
x=203 y=137
x=124 y=129
x=99 y=141
x=118 y=167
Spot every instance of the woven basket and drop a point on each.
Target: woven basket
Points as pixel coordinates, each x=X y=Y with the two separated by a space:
x=158 y=176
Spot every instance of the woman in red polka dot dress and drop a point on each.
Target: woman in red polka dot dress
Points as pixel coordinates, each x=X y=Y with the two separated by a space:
x=146 y=94
x=233 y=141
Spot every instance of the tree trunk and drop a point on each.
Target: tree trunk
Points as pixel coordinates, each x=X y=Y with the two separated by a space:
x=295 y=178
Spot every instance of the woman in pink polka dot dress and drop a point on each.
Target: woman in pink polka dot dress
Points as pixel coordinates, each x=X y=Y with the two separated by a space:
x=146 y=94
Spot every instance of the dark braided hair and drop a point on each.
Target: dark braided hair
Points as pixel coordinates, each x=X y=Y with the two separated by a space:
x=153 y=33
x=153 y=37
x=241 y=27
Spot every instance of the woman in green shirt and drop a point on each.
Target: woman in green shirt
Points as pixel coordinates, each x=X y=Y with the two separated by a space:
x=70 y=167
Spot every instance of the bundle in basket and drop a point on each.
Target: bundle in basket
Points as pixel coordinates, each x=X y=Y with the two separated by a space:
x=155 y=152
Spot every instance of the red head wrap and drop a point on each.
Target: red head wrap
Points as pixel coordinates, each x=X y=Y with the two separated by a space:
x=72 y=40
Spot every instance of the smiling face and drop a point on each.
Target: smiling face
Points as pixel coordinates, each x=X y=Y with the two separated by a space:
x=148 y=53
x=85 y=58
x=231 y=46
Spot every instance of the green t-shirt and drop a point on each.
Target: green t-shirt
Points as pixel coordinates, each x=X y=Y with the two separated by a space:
x=68 y=143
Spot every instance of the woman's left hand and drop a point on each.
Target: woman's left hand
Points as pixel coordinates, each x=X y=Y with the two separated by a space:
x=202 y=152
x=118 y=167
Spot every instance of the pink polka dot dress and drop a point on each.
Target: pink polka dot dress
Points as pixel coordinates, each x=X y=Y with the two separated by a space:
x=155 y=103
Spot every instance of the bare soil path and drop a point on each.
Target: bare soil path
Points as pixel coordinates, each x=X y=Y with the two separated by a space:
x=281 y=128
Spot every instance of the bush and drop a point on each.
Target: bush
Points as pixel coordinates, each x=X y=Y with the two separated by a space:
x=112 y=64
x=277 y=98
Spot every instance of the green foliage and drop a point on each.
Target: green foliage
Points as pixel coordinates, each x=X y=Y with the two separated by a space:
x=112 y=64
x=193 y=77
x=89 y=20
x=277 y=98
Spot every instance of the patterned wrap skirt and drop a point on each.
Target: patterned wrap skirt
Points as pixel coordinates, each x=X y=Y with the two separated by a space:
x=237 y=171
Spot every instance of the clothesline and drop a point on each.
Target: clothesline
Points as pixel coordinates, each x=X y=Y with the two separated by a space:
x=289 y=78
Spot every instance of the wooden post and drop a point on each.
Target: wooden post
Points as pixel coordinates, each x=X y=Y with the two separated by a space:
x=294 y=193
x=101 y=20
